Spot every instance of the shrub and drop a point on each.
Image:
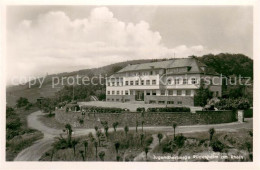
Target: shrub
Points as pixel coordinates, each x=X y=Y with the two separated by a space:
x=169 y=109
x=140 y=109
x=148 y=140
x=95 y=109
x=248 y=113
x=217 y=146
x=179 y=140
x=233 y=104
x=22 y=102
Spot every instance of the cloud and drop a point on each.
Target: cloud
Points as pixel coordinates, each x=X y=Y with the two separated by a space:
x=54 y=43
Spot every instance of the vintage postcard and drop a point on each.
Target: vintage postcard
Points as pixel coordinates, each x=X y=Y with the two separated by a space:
x=108 y=84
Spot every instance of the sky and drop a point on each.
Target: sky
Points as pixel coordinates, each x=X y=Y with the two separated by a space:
x=54 y=39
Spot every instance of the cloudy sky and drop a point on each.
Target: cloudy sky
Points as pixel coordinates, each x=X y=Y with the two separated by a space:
x=53 y=39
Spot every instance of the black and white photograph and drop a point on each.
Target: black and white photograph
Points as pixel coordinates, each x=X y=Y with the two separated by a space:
x=129 y=83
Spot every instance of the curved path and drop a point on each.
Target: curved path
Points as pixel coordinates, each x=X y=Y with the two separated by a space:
x=34 y=152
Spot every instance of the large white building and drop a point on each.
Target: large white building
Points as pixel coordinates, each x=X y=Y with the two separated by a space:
x=172 y=82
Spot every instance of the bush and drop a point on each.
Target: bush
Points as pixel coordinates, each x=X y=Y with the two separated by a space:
x=233 y=104
x=248 y=113
x=140 y=109
x=95 y=109
x=148 y=140
x=169 y=109
x=217 y=146
x=179 y=140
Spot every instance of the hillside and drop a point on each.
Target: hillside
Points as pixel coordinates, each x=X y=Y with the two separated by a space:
x=227 y=64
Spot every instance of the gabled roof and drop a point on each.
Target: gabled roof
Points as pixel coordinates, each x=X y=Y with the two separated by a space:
x=194 y=64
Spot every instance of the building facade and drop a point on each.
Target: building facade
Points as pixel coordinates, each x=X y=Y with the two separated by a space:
x=171 y=82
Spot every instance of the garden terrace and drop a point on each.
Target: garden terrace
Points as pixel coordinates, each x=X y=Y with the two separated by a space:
x=89 y=120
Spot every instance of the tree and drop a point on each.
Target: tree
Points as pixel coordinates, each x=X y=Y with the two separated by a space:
x=174 y=125
x=98 y=134
x=142 y=126
x=115 y=124
x=117 y=145
x=96 y=128
x=69 y=132
x=106 y=130
x=22 y=101
x=160 y=136
x=202 y=96
x=141 y=138
x=126 y=130
x=146 y=150
x=74 y=142
x=136 y=126
x=101 y=155
x=82 y=154
x=85 y=143
x=96 y=146
x=211 y=133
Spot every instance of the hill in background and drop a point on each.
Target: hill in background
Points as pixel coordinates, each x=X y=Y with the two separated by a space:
x=227 y=64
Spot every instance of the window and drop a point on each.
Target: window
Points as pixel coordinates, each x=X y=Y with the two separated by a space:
x=126 y=83
x=112 y=99
x=131 y=83
x=162 y=92
x=185 y=81
x=122 y=92
x=188 y=92
x=113 y=92
x=117 y=92
x=152 y=102
x=151 y=72
x=148 y=93
x=161 y=102
x=137 y=82
x=170 y=92
x=127 y=100
x=170 y=102
x=154 y=82
x=126 y=92
x=147 y=82
x=117 y=83
x=179 y=92
x=142 y=82
x=193 y=81
x=131 y=92
x=154 y=93
x=179 y=102
x=177 y=81
x=117 y=100
x=157 y=72
x=108 y=99
x=113 y=83
x=108 y=84
x=169 y=81
x=108 y=92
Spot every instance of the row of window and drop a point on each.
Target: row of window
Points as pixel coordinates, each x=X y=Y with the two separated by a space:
x=153 y=93
x=150 y=102
x=153 y=82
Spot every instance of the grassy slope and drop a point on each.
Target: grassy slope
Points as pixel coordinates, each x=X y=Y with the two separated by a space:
x=26 y=137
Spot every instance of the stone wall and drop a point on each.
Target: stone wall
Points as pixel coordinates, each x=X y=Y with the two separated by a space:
x=150 y=119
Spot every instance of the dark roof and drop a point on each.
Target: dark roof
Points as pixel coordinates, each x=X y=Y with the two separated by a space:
x=194 y=64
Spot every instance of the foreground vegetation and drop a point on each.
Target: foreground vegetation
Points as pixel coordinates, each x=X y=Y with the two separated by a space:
x=103 y=146
x=230 y=146
x=18 y=135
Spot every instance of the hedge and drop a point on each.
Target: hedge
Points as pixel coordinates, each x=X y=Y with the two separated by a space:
x=97 y=109
x=168 y=109
x=248 y=113
x=140 y=109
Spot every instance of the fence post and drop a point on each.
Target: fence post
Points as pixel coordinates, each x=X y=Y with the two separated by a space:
x=240 y=116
